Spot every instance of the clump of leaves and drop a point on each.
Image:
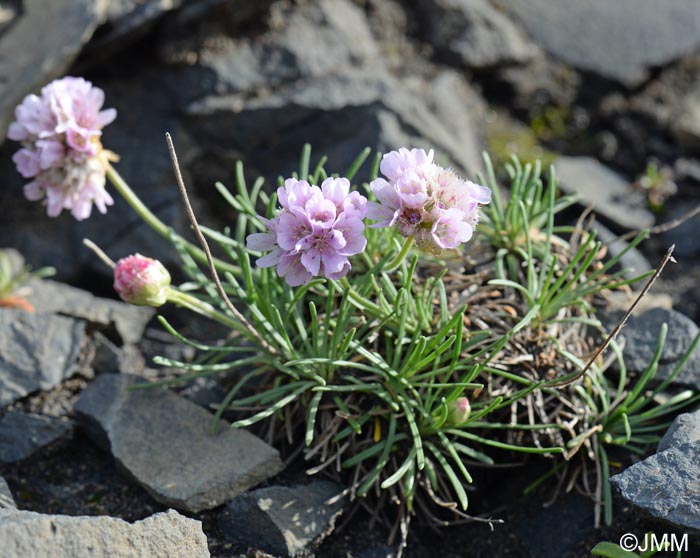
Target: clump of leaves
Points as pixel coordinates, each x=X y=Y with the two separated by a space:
x=361 y=374
x=14 y=275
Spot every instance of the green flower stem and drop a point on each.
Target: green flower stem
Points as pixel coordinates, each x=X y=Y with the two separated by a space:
x=204 y=309
x=393 y=264
x=157 y=225
x=361 y=302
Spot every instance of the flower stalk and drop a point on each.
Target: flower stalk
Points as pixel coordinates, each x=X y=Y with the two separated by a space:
x=157 y=225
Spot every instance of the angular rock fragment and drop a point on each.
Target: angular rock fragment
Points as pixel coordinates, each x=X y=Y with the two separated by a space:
x=641 y=336
x=41 y=45
x=58 y=298
x=610 y=195
x=345 y=113
x=475 y=33
x=623 y=39
x=22 y=434
x=666 y=485
x=163 y=535
x=283 y=520
x=166 y=443
x=684 y=430
x=37 y=351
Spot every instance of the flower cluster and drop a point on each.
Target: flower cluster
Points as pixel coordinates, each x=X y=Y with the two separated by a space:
x=61 y=150
x=315 y=232
x=425 y=201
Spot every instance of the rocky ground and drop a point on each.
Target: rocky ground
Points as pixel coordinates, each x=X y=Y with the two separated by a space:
x=607 y=91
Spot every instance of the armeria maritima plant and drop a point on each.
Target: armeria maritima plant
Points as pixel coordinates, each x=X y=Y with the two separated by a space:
x=365 y=332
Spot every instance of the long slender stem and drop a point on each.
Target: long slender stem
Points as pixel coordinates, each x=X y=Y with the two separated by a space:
x=156 y=224
x=393 y=264
x=203 y=309
x=210 y=259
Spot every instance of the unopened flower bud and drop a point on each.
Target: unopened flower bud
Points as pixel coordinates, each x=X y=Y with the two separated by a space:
x=141 y=281
x=458 y=411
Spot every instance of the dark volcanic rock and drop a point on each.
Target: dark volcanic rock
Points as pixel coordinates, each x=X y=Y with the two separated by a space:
x=475 y=33
x=666 y=485
x=37 y=351
x=163 y=535
x=166 y=443
x=620 y=40
x=58 y=298
x=344 y=113
x=610 y=195
x=309 y=40
x=641 y=336
x=22 y=434
x=684 y=430
x=41 y=45
x=283 y=521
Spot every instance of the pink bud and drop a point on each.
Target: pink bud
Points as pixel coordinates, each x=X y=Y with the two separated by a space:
x=141 y=281
x=458 y=411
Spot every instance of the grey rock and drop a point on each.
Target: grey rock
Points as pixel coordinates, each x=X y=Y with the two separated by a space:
x=632 y=263
x=666 y=485
x=686 y=236
x=23 y=434
x=166 y=443
x=128 y=320
x=205 y=392
x=345 y=113
x=685 y=123
x=475 y=33
x=684 y=430
x=315 y=39
x=37 y=351
x=41 y=45
x=281 y=520
x=641 y=337
x=619 y=40
x=610 y=195
x=162 y=535
x=110 y=358
x=6 y=499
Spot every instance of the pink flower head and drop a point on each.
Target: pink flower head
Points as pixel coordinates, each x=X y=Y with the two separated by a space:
x=423 y=200
x=61 y=150
x=316 y=231
x=141 y=281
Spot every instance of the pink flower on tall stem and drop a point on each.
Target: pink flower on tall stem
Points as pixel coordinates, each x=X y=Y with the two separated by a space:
x=425 y=201
x=315 y=232
x=61 y=150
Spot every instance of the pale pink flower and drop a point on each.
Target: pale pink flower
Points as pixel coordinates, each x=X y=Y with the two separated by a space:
x=316 y=231
x=61 y=150
x=423 y=200
x=395 y=163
